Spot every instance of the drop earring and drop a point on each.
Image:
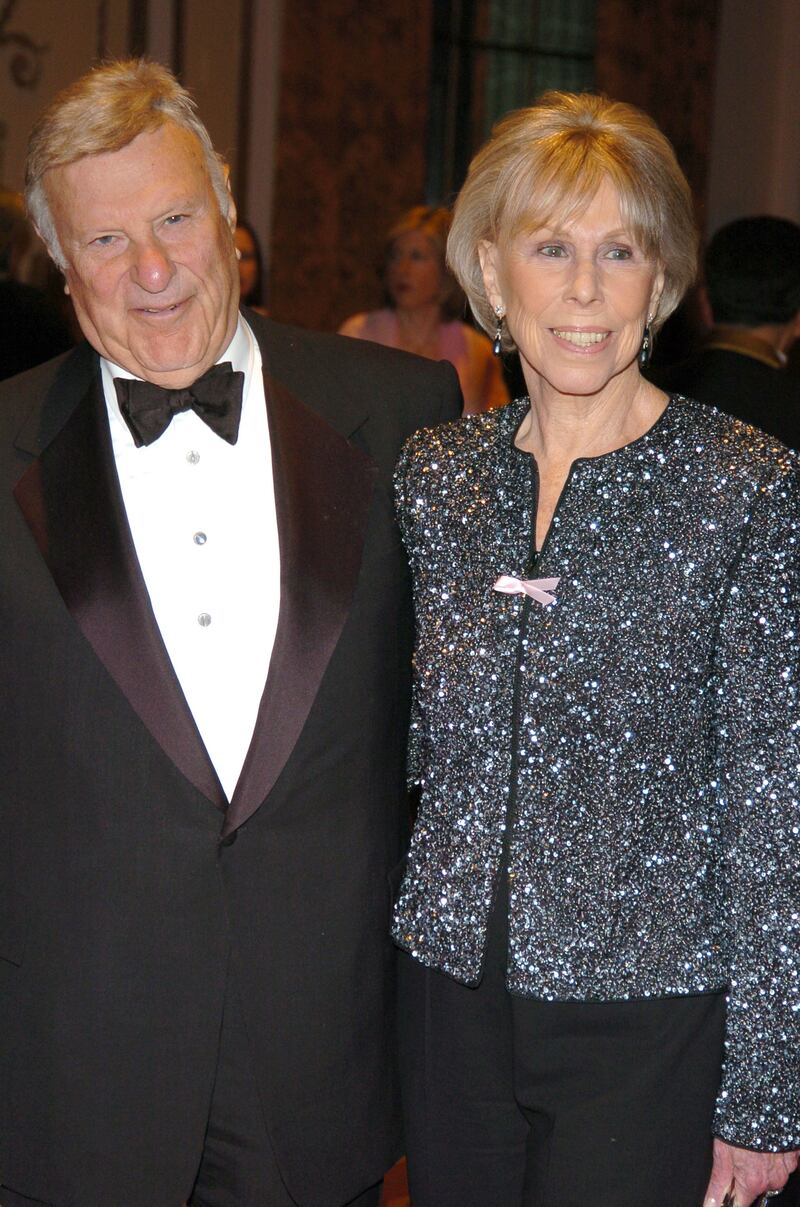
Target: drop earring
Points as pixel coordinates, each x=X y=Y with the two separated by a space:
x=497 y=344
x=646 y=350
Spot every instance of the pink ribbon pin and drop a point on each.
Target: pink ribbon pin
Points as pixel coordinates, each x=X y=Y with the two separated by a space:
x=538 y=588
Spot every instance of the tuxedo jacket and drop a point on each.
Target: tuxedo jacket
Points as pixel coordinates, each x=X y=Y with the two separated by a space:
x=130 y=895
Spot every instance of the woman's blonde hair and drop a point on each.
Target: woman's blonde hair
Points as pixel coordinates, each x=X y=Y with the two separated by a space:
x=545 y=164
x=434 y=222
x=104 y=111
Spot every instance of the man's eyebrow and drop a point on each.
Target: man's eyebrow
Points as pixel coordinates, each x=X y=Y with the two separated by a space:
x=180 y=203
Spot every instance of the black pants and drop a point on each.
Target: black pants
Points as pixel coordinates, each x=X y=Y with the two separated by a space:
x=513 y=1102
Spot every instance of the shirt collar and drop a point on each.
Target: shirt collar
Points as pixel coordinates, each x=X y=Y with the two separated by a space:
x=743 y=342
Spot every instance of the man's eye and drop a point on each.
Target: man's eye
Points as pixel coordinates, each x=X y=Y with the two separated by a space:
x=103 y=241
x=174 y=219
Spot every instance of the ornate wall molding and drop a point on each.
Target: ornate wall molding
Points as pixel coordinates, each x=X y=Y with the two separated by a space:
x=25 y=62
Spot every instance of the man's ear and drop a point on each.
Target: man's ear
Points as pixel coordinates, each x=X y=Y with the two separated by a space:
x=489 y=257
x=60 y=264
x=231 y=214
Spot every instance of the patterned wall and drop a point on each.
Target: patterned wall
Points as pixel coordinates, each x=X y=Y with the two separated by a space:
x=44 y=45
x=353 y=110
x=351 y=149
x=659 y=55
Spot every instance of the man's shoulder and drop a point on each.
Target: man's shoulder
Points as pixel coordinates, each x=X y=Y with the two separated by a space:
x=52 y=387
x=712 y=371
x=287 y=347
x=348 y=381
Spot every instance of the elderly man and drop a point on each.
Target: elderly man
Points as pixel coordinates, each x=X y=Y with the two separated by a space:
x=205 y=686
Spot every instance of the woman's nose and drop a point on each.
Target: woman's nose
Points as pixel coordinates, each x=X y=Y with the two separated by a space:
x=584 y=285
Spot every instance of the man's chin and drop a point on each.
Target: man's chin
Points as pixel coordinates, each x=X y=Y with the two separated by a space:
x=169 y=368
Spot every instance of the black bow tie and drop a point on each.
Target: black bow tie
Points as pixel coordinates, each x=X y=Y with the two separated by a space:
x=216 y=397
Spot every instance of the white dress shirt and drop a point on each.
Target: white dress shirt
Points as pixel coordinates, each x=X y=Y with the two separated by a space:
x=202 y=516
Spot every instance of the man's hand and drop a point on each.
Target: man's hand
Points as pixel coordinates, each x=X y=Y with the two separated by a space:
x=745 y=1174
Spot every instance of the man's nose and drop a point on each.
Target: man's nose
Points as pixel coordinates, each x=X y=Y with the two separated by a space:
x=152 y=268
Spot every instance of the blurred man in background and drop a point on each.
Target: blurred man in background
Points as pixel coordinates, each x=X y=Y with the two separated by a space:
x=751 y=299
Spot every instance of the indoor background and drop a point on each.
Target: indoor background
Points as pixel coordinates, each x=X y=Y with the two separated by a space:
x=336 y=115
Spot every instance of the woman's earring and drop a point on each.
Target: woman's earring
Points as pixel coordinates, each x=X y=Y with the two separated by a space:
x=497 y=345
x=646 y=350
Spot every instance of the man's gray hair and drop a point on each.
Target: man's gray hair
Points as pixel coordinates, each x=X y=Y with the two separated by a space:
x=103 y=111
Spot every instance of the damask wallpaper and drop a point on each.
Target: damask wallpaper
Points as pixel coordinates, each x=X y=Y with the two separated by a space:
x=351 y=150
x=660 y=55
x=352 y=124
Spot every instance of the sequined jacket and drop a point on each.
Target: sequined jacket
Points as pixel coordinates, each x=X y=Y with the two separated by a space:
x=630 y=751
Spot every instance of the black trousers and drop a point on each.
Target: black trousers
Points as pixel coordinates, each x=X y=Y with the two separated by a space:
x=513 y=1102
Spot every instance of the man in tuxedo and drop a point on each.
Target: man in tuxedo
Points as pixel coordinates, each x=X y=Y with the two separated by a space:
x=751 y=302
x=207 y=632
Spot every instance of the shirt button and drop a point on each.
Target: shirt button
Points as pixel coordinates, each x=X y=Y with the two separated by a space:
x=204 y=620
x=192 y=456
x=199 y=538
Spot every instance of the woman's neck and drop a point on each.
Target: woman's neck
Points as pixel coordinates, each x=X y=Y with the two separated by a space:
x=559 y=428
x=418 y=329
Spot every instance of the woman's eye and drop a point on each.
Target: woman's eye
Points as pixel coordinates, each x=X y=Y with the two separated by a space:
x=620 y=253
x=553 y=250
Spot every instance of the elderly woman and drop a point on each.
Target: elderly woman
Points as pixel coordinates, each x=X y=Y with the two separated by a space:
x=424 y=304
x=602 y=897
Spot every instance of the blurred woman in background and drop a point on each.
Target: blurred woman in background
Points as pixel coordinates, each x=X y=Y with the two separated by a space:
x=424 y=302
x=251 y=267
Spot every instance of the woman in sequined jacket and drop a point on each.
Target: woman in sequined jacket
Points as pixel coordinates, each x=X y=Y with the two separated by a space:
x=600 y=995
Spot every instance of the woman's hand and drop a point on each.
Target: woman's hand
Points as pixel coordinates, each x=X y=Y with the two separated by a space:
x=746 y=1174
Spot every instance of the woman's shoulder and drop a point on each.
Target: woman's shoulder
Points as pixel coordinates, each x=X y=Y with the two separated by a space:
x=734 y=457
x=472 y=439
x=741 y=445
x=375 y=325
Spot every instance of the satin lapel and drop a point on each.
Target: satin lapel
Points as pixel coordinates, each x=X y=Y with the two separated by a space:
x=323 y=491
x=72 y=503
